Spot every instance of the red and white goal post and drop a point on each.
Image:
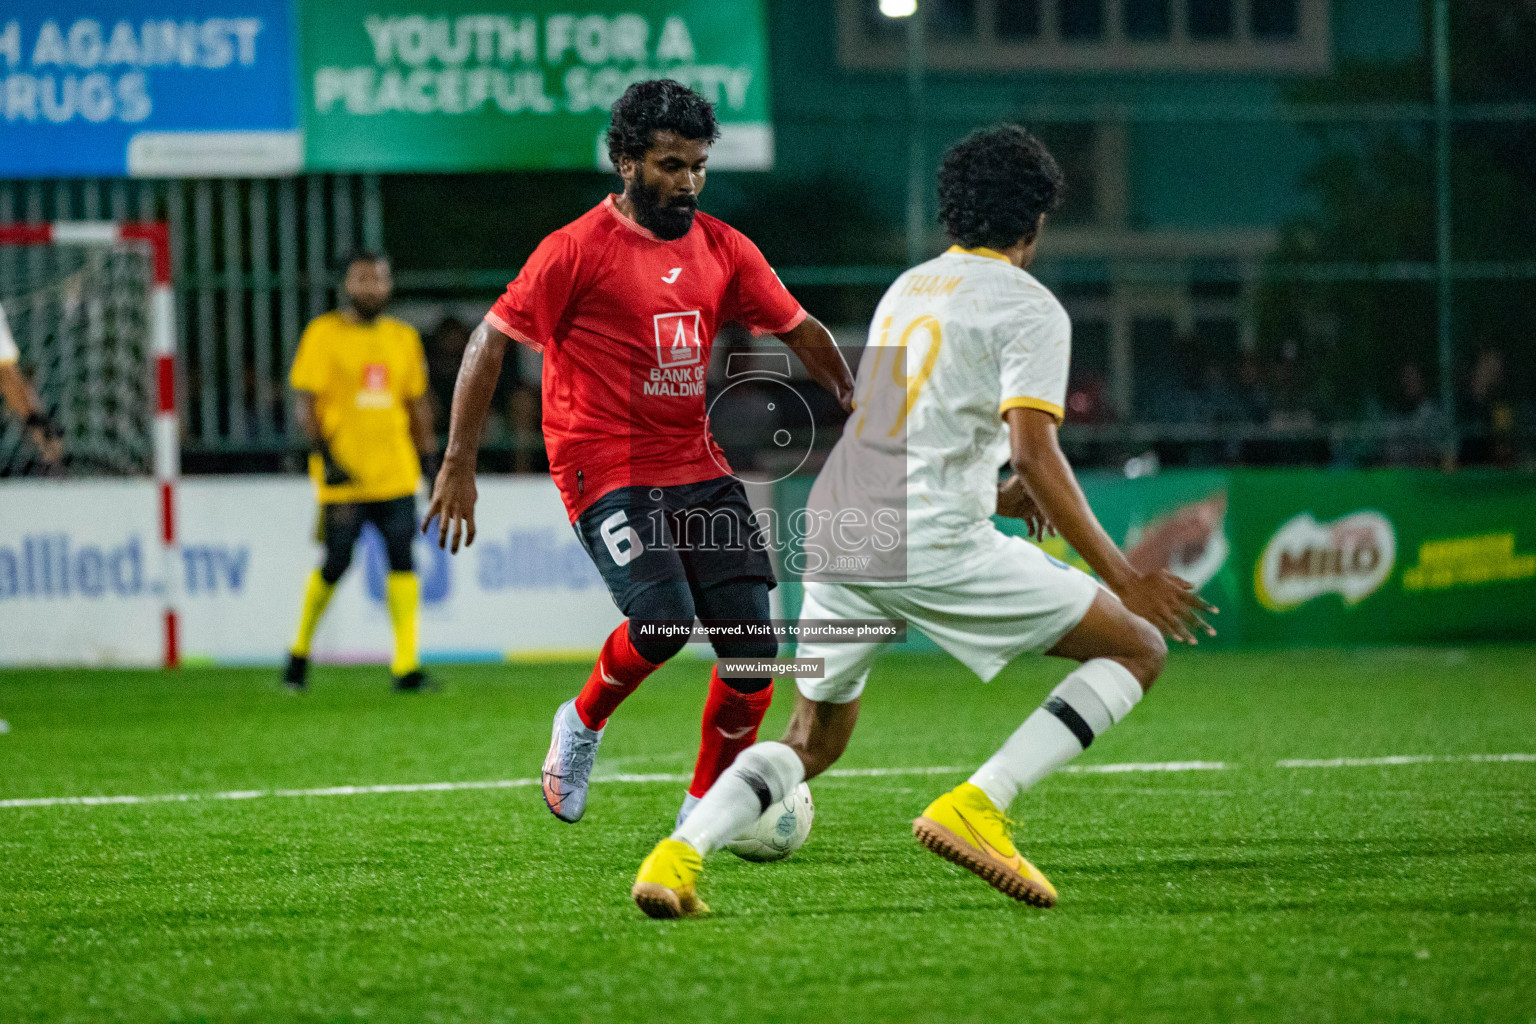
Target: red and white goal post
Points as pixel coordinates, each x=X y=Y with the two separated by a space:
x=92 y=309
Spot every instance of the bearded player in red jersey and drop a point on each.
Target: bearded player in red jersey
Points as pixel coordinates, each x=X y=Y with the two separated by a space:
x=625 y=302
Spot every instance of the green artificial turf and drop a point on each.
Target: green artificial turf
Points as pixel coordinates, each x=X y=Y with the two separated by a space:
x=1255 y=893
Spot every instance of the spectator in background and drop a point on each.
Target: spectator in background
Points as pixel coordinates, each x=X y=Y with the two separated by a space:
x=1089 y=404
x=1291 y=409
x=1169 y=384
x=1490 y=414
x=445 y=350
x=515 y=402
x=1417 y=424
x=1250 y=390
x=1291 y=405
x=1218 y=404
x=1215 y=396
x=1198 y=393
x=1088 y=400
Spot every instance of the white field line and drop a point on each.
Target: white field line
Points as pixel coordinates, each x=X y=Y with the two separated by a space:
x=835 y=773
x=443 y=787
x=1369 y=762
x=1153 y=766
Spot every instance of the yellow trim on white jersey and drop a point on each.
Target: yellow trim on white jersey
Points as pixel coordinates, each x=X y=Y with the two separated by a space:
x=980 y=250
x=1025 y=402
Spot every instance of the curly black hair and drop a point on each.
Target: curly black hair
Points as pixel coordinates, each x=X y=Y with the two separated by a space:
x=658 y=105
x=993 y=186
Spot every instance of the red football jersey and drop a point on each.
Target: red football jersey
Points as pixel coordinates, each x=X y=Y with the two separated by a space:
x=626 y=322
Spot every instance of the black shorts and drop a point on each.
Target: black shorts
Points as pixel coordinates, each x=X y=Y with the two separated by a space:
x=342 y=522
x=698 y=534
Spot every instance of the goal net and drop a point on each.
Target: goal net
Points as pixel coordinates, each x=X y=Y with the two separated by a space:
x=90 y=306
x=81 y=317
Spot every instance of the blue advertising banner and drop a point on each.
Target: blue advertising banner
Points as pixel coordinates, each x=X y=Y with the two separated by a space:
x=148 y=88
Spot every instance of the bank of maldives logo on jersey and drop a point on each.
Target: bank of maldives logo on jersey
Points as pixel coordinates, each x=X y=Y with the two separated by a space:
x=678 y=340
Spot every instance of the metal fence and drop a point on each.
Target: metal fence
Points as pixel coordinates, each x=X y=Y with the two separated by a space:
x=253 y=261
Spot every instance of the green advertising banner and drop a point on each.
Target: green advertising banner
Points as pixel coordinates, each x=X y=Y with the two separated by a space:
x=462 y=85
x=1385 y=557
x=1307 y=557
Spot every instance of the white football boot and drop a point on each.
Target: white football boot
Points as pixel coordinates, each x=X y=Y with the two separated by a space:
x=568 y=765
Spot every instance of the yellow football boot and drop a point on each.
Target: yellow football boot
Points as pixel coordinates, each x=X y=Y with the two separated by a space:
x=964 y=826
x=664 y=887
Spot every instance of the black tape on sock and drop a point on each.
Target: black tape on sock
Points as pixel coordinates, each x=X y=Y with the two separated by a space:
x=759 y=789
x=1071 y=719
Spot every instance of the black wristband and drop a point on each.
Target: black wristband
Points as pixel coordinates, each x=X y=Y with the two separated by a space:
x=331 y=471
x=431 y=462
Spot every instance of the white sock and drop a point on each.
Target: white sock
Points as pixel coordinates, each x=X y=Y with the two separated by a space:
x=760 y=775
x=1090 y=700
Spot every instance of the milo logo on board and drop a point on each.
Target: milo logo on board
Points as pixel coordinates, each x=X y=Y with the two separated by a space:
x=1351 y=557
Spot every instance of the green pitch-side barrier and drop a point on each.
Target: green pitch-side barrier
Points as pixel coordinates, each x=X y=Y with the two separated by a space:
x=1313 y=557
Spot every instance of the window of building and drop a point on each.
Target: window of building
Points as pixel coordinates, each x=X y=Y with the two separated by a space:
x=1016 y=20
x=1080 y=19
x=1274 y=19
x=1073 y=147
x=1094 y=35
x=955 y=19
x=1208 y=19
x=1146 y=19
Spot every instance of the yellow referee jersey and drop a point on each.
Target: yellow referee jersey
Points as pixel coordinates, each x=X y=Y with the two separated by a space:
x=363 y=377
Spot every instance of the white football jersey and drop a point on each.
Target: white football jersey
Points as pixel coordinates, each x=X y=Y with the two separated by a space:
x=8 y=353
x=955 y=343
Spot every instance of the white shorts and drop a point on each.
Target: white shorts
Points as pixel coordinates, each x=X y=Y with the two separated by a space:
x=1016 y=599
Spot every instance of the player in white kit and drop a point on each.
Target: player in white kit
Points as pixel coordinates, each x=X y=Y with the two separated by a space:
x=23 y=401
x=966 y=369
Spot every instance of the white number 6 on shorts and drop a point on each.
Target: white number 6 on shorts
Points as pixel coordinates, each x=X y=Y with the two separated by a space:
x=622 y=540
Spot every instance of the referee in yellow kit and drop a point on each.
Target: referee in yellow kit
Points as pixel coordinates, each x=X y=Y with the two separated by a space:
x=360 y=383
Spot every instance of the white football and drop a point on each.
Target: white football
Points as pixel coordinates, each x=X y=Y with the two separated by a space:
x=780 y=831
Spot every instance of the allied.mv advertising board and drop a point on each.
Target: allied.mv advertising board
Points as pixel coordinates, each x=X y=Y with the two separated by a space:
x=80 y=587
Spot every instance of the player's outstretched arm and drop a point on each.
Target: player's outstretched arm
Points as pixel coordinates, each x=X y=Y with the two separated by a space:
x=453 y=497
x=824 y=361
x=1160 y=597
x=23 y=401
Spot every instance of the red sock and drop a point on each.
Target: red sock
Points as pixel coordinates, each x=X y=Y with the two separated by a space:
x=730 y=726
x=619 y=670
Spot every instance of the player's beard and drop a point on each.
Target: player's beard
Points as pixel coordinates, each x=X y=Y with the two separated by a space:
x=367 y=309
x=666 y=221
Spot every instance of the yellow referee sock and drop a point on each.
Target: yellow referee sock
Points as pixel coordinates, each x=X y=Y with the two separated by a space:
x=317 y=594
x=403 y=593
